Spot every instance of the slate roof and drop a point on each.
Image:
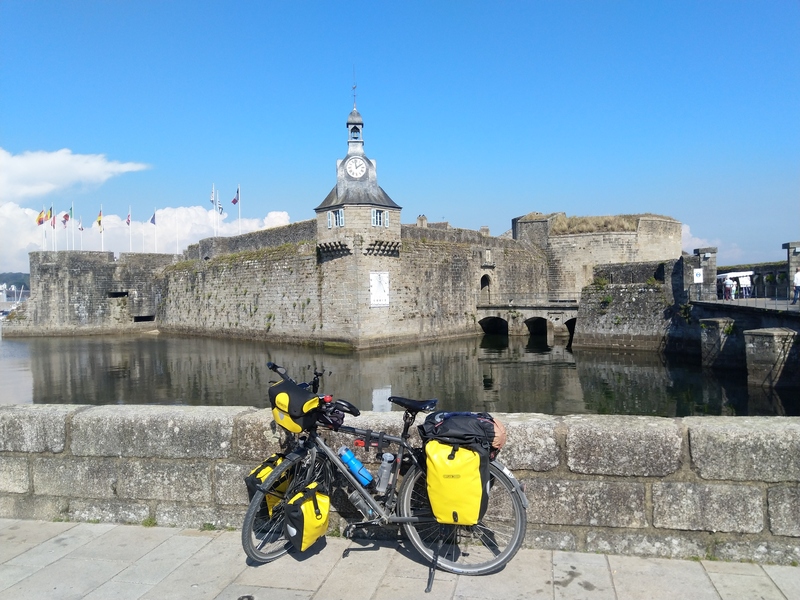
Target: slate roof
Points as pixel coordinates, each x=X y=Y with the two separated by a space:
x=357 y=194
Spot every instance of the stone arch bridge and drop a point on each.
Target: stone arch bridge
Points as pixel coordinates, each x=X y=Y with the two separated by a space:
x=550 y=315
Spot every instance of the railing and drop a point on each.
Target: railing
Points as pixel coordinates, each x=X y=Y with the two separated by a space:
x=494 y=299
x=774 y=297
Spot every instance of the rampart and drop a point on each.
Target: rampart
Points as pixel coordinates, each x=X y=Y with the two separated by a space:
x=711 y=487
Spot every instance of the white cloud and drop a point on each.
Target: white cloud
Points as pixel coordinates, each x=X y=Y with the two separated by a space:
x=176 y=228
x=727 y=252
x=34 y=174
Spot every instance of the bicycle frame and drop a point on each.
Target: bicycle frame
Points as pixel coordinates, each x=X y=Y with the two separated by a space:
x=384 y=516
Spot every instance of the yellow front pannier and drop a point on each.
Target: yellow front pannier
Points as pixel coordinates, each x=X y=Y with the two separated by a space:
x=457 y=481
x=294 y=408
x=307 y=517
x=259 y=475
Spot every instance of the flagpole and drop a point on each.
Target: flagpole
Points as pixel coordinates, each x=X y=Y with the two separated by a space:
x=130 y=230
x=156 y=226
x=55 y=233
x=239 y=204
x=102 y=236
x=81 y=230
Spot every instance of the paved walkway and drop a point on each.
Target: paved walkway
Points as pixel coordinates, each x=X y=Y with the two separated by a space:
x=59 y=561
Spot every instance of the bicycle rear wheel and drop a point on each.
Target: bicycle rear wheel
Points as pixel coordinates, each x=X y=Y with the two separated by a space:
x=263 y=538
x=467 y=550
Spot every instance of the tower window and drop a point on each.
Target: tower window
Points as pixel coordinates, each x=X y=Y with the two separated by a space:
x=380 y=218
x=355 y=133
x=336 y=218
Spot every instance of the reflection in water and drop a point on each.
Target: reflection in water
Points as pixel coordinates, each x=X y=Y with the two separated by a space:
x=491 y=373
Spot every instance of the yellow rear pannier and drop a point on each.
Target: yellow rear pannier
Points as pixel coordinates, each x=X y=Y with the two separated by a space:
x=458 y=482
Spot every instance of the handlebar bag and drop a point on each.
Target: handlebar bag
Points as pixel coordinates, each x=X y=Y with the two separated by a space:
x=293 y=407
x=307 y=517
x=259 y=475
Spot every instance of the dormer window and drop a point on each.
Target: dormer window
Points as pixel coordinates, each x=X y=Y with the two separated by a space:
x=380 y=218
x=336 y=218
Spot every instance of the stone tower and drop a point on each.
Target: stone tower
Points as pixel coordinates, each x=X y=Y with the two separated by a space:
x=358 y=244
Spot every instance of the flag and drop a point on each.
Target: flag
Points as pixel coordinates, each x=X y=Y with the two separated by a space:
x=80 y=225
x=41 y=218
x=128 y=220
x=49 y=214
x=65 y=219
x=153 y=219
x=212 y=195
x=100 y=220
x=53 y=221
x=235 y=200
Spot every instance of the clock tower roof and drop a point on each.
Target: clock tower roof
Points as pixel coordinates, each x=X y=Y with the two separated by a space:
x=356 y=175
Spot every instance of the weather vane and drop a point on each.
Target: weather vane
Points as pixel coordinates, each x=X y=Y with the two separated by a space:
x=355 y=85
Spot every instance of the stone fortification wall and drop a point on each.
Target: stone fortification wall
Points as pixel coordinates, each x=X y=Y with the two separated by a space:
x=649 y=313
x=286 y=294
x=710 y=487
x=572 y=257
x=295 y=233
x=86 y=292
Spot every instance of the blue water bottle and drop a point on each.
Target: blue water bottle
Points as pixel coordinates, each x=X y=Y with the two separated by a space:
x=356 y=467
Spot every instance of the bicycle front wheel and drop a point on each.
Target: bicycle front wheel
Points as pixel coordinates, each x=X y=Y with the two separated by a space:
x=263 y=538
x=466 y=550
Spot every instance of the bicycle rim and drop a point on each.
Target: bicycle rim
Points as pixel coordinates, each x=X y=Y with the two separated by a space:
x=263 y=536
x=475 y=550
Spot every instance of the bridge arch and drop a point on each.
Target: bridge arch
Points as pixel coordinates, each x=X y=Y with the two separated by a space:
x=494 y=326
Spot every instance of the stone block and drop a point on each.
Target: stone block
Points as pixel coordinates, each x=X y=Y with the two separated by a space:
x=176 y=481
x=778 y=552
x=155 y=431
x=550 y=540
x=706 y=507
x=639 y=544
x=187 y=515
x=43 y=508
x=108 y=511
x=229 y=487
x=532 y=443
x=256 y=436
x=34 y=428
x=75 y=477
x=745 y=448
x=595 y=503
x=621 y=445
x=14 y=475
x=784 y=510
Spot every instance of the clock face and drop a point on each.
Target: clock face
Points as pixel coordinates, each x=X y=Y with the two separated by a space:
x=356 y=167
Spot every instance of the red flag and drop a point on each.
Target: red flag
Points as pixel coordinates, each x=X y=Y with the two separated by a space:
x=65 y=219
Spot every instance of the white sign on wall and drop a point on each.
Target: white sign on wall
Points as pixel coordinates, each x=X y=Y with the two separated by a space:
x=698 y=275
x=379 y=288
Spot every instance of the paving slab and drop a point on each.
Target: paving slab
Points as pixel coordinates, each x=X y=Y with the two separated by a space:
x=241 y=592
x=64 y=579
x=162 y=560
x=577 y=574
x=205 y=574
x=18 y=537
x=118 y=590
x=308 y=569
x=125 y=542
x=62 y=544
x=362 y=564
x=635 y=578
x=528 y=575
x=786 y=578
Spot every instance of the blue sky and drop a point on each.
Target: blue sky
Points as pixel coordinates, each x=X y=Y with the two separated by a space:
x=476 y=112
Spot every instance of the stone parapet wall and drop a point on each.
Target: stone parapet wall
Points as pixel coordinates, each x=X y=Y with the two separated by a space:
x=294 y=233
x=716 y=487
